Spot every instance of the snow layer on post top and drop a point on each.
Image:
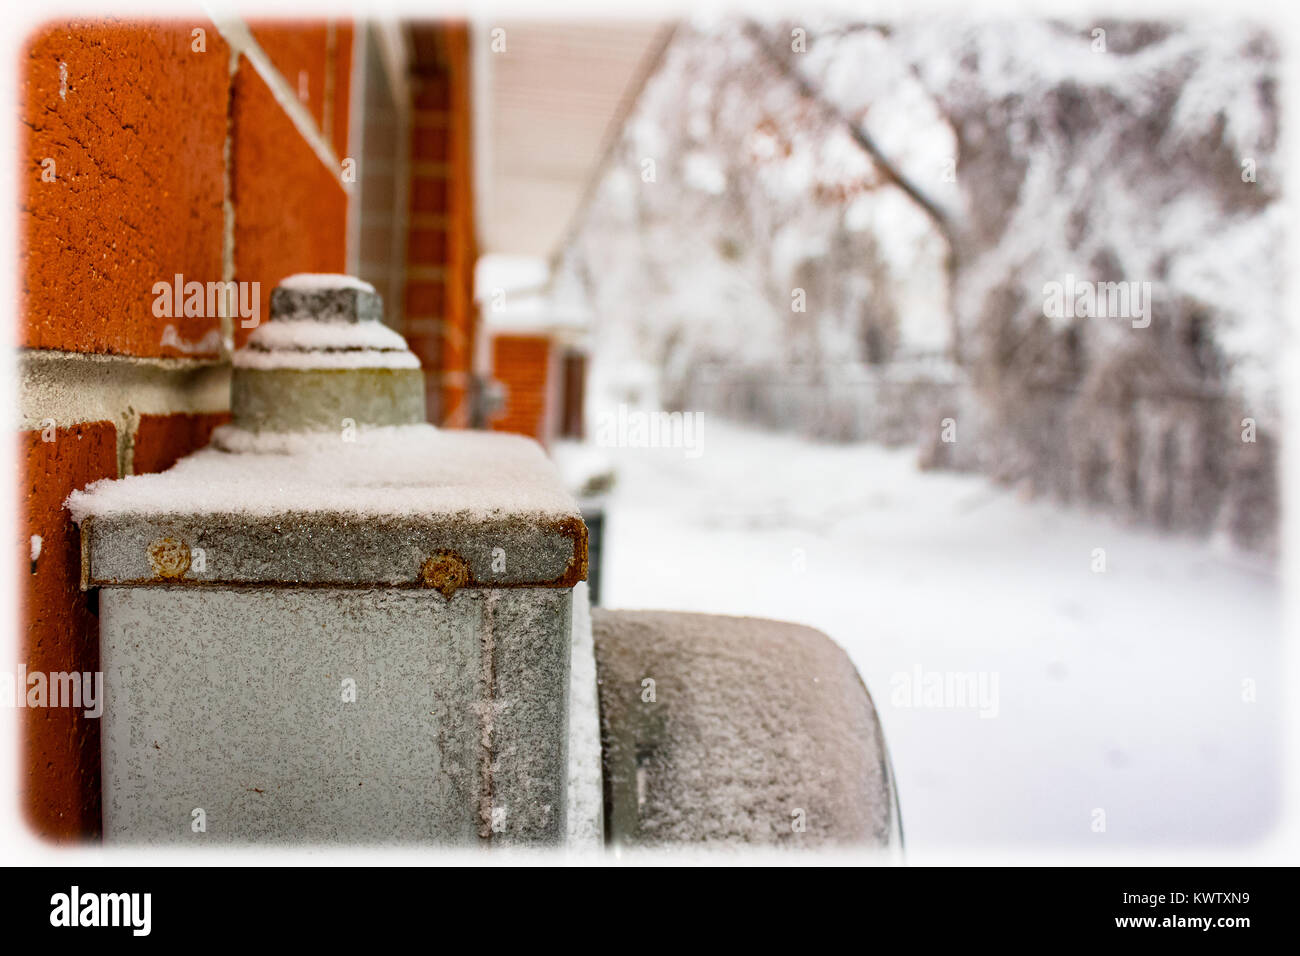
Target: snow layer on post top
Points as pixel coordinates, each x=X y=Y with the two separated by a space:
x=312 y=343
x=407 y=471
x=307 y=334
x=405 y=506
x=324 y=359
x=324 y=282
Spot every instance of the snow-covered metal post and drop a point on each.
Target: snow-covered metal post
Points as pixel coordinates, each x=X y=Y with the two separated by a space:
x=336 y=623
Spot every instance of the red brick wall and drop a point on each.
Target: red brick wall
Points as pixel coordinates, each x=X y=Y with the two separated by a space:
x=135 y=130
x=440 y=313
x=310 y=57
x=163 y=440
x=135 y=120
x=59 y=773
x=290 y=211
x=522 y=364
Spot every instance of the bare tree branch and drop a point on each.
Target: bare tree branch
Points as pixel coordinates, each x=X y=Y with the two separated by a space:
x=860 y=135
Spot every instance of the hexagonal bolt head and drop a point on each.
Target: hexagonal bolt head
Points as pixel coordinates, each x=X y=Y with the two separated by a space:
x=327 y=305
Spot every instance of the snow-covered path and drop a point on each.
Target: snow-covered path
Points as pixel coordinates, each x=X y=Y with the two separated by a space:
x=1119 y=691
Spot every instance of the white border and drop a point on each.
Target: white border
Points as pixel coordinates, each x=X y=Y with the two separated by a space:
x=17 y=845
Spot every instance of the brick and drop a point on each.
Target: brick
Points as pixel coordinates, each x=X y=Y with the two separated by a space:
x=290 y=209
x=527 y=349
x=136 y=134
x=454 y=401
x=521 y=364
x=431 y=91
x=424 y=299
x=60 y=633
x=426 y=247
x=299 y=49
x=162 y=440
x=430 y=143
x=429 y=194
x=442 y=350
x=428 y=348
x=342 y=66
x=457 y=353
x=461 y=321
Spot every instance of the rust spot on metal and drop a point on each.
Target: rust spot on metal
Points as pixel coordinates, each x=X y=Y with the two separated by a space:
x=445 y=572
x=85 y=554
x=170 y=558
x=575 y=529
x=571 y=527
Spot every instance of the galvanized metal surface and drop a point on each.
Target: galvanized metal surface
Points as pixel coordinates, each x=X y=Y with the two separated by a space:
x=321 y=716
x=339 y=624
x=285 y=399
x=331 y=550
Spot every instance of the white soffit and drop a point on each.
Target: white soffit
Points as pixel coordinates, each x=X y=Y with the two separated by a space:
x=546 y=109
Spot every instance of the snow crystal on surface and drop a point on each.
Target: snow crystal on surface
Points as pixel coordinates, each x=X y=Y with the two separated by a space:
x=324 y=281
x=232 y=438
x=303 y=334
x=398 y=471
x=1136 y=670
x=306 y=343
x=750 y=713
x=360 y=358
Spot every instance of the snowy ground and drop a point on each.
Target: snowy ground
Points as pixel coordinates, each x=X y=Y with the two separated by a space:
x=1120 y=691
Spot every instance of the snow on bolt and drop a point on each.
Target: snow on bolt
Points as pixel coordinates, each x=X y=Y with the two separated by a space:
x=324 y=362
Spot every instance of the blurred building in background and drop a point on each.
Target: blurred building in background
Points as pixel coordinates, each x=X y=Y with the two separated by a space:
x=536 y=350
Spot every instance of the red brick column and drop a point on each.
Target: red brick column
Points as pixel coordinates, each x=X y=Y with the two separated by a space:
x=441 y=247
x=522 y=364
x=59 y=773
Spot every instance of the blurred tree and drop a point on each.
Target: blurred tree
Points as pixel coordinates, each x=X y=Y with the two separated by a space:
x=852 y=235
